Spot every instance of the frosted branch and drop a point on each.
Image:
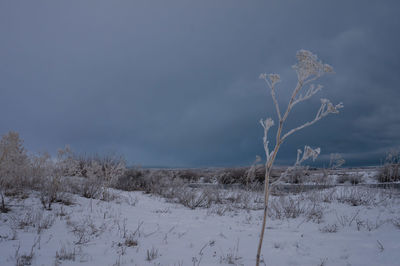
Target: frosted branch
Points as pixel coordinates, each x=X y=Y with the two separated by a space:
x=326 y=108
x=266 y=124
x=307 y=154
x=336 y=161
x=310 y=92
x=272 y=80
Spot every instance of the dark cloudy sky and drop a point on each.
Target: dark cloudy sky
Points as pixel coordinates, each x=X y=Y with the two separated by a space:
x=175 y=83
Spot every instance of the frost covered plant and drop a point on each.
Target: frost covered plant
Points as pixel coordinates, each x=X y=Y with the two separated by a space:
x=308 y=68
x=390 y=171
x=295 y=172
x=14 y=164
x=336 y=161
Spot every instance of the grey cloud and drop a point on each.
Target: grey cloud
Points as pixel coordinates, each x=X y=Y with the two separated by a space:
x=174 y=83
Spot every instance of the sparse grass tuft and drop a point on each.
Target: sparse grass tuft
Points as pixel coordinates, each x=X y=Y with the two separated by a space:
x=66 y=253
x=152 y=254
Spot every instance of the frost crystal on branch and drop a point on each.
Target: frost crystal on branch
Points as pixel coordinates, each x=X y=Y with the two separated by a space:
x=328 y=108
x=336 y=161
x=308 y=66
x=308 y=153
x=266 y=124
x=271 y=79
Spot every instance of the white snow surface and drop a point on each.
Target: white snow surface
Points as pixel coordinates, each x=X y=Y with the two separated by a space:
x=134 y=226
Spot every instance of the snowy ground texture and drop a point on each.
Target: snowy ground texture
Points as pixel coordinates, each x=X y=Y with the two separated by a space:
x=336 y=226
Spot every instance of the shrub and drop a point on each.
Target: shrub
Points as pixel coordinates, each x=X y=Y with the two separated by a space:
x=14 y=165
x=232 y=176
x=187 y=174
x=49 y=192
x=107 y=167
x=390 y=171
x=133 y=179
x=355 y=196
x=91 y=187
x=286 y=207
x=193 y=199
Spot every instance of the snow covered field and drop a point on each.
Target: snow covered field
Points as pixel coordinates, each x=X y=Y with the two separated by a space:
x=335 y=226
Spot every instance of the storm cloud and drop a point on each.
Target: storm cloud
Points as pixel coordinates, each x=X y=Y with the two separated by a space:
x=175 y=83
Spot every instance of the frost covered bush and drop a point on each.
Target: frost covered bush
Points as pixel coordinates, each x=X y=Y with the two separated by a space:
x=49 y=192
x=193 y=199
x=133 y=179
x=232 y=176
x=14 y=165
x=243 y=175
x=286 y=207
x=187 y=174
x=41 y=167
x=45 y=177
x=308 y=69
x=88 y=187
x=98 y=172
x=355 y=196
x=390 y=171
x=85 y=229
x=108 y=167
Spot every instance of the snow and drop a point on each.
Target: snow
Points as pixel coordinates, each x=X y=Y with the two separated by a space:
x=134 y=225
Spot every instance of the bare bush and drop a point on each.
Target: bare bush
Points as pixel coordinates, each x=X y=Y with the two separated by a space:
x=107 y=168
x=390 y=171
x=41 y=166
x=286 y=207
x=187 y=174
x=49 y=192
x=315 y=213
x=355 y=196
x=91 y=188
x=14 y=164
x=84 y=230
x=193 y=199
x=232 y=176
x=133 y=179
